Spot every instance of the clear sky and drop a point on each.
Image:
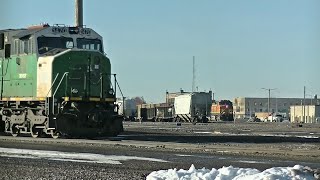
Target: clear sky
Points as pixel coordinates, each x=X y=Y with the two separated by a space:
x=240 y=46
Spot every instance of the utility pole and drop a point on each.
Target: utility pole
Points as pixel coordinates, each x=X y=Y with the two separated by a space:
x=309 y=106
x=268 y=89
x=304 y=104
x=301 y=120
x=123 y=106
x=276 y=105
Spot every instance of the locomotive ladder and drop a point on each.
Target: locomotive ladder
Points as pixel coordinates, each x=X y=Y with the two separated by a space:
x=47 y=98
x=52 y=130
x=64 y=75
x=47 y=103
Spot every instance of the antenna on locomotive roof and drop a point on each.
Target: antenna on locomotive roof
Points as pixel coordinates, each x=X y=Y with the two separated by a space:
x=79 y=13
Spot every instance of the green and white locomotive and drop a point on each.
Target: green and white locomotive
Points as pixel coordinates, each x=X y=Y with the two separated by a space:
x=56 y=80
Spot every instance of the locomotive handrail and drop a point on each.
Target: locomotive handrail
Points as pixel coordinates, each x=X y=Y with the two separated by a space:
x=52 y=84
x=101 y=85
x=64 y=74
x=46 y=104
x=115 y=82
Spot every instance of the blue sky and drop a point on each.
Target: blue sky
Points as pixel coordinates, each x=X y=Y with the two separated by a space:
x=240 y=46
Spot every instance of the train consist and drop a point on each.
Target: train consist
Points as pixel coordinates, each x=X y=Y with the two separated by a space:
x=56 y=80
x=187 y=107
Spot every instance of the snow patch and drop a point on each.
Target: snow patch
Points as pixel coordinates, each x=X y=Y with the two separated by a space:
x=71 y=156
x=233 y=173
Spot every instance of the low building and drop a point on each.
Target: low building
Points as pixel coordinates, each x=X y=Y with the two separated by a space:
x=246 y=107
x=305 y=114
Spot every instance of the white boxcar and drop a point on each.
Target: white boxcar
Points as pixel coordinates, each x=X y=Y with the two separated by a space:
x=193 y=107
x=182 y=104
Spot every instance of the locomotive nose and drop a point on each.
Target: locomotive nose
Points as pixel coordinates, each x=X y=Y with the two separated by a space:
x=88 y=73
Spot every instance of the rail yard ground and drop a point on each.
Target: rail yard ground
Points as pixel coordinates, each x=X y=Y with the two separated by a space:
x=148 y=146
x=299 y=142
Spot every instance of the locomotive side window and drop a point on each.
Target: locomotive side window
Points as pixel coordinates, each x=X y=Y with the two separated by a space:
x=69 y=44
x=46 y=44
x=91 y=44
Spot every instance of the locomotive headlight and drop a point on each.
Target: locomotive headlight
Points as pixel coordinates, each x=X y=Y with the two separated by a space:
x=110 y=91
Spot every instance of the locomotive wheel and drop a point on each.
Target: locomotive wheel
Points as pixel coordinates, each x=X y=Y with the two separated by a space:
x=34 y=132
x=7 y=126
x=54 y=134
x=14 y=131
x=194 y=121
x=176 y=119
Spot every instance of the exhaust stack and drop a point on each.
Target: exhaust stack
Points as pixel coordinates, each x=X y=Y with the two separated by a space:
x=79 y=13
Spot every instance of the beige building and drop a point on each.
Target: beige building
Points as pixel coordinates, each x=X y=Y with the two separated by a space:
x=245 y=107
x=305 y=114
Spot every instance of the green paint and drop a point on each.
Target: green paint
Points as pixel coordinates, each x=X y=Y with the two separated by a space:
x=80 y=82
x=19 y=75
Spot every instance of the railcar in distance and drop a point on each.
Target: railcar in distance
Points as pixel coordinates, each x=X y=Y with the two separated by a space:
x=222 y=111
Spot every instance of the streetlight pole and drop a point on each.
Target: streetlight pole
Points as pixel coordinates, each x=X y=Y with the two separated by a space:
x=308 y=117
x=269 y=90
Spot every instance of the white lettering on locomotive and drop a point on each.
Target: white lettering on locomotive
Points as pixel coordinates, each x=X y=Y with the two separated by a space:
x=59 y=30
x=22 y=76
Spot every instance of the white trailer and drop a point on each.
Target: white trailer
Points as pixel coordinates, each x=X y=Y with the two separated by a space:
x=192 y=107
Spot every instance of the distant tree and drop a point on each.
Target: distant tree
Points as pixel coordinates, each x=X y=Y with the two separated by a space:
x=139 y=100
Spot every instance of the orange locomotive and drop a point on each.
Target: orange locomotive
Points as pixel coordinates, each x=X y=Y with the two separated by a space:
x=222 y=111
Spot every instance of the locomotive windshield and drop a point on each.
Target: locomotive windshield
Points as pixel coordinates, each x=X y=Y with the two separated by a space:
x=49 y=44
x=91 y=44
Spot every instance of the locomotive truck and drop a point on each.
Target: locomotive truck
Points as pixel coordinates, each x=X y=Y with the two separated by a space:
x=56 y=80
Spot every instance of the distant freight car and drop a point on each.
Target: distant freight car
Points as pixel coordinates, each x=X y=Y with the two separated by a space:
x=193 y=107
x=155 y=112
x=222 y=111
x=181 y=107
